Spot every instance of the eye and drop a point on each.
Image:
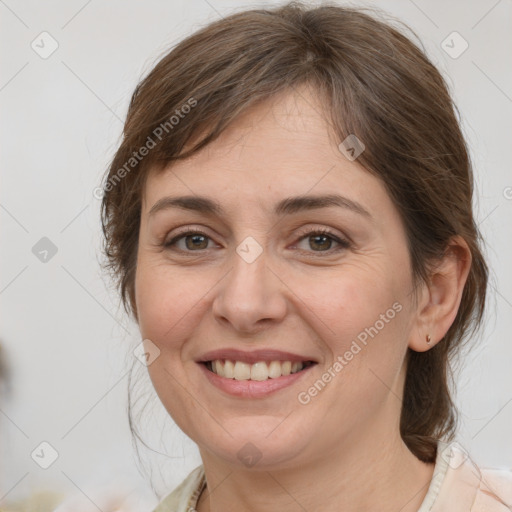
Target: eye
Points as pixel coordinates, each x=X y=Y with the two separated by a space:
x=320 y=240
x=194 y=240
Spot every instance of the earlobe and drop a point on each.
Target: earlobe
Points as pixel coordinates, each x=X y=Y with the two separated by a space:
x=420 y=344
x=442 y=296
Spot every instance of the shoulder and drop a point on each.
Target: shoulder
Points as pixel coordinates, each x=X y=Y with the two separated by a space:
x=466 y=486
x=181 y=498
x=495 y=491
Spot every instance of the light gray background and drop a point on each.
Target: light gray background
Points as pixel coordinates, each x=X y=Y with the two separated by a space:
x=66 y=342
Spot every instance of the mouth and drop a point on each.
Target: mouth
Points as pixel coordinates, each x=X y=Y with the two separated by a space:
x=254 y=374
x=258 y=371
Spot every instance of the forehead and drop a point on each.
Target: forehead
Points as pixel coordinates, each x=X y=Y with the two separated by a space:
x=279 y=148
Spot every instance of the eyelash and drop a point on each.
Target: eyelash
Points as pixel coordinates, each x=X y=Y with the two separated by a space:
x=343 y=243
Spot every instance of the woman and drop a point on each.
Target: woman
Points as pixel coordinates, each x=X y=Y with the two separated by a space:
x=289 y=218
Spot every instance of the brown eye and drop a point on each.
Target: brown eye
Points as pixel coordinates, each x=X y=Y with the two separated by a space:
x=194 y=240
x=322 y=240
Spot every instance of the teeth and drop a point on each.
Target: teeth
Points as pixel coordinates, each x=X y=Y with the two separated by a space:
x=229 y=369
x=239 y=370
x=218 y=368
x=259 y=371
x=274 y=370
x=286 y=368
x=242 y=371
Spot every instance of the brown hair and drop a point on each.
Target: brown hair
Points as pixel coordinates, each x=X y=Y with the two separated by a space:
x=376 y=84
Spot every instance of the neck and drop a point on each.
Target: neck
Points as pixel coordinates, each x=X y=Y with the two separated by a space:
x=370 y=472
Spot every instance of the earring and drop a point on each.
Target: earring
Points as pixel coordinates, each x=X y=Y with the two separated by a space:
x=428 y=338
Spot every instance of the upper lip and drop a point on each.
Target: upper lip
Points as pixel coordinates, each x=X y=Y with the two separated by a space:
x=253 y=356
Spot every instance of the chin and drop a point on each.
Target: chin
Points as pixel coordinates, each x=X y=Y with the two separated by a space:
x=259 y=443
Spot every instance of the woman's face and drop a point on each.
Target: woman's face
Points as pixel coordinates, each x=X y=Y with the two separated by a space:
x=276 y=274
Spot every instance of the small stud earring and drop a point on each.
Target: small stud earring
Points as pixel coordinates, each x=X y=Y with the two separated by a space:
x=428 y=338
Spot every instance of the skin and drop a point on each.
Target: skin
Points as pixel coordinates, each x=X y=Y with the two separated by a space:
x=301 y=295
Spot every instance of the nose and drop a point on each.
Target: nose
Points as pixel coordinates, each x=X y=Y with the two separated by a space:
x=250 y=298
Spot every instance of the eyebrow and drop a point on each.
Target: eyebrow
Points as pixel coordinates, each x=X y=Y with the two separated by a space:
x=288 y=206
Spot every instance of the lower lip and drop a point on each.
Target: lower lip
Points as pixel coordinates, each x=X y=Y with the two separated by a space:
x=253 y=388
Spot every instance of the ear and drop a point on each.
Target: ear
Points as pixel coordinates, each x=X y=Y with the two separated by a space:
x=439 y=300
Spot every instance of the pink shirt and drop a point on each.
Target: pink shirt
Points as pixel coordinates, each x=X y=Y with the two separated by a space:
x=457 y=485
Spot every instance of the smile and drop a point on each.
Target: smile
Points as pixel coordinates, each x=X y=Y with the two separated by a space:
x=259 y=371
x=247 y=387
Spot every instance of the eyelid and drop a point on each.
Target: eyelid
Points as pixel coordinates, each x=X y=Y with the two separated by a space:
x=302 y=231
x=183 y=231
x=343 y=241
x=324 y=230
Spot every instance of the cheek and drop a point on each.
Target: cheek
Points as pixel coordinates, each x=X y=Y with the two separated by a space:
x=361 y=316
x=167 y=316
x=363 y=322
x=169 y=301
x=353 y=300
